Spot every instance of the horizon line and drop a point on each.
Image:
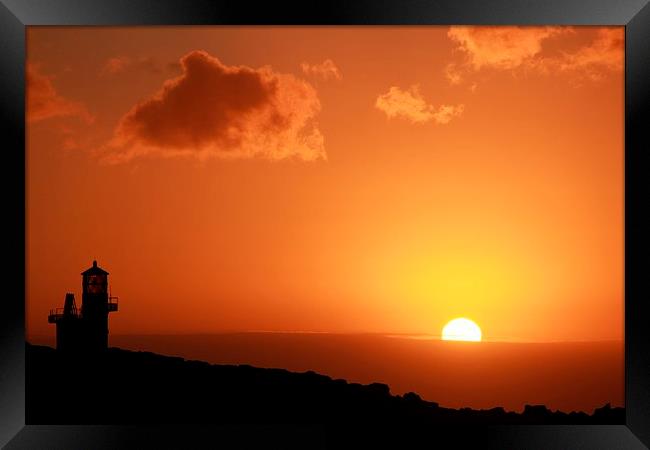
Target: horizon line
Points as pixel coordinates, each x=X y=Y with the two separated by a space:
x=412 y=336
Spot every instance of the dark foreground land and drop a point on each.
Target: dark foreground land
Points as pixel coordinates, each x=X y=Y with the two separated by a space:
x=126 y=387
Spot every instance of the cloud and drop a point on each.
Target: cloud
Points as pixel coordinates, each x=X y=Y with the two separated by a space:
x=215 y=110
x=604 y=54
x=501 y=47
x=410 y=104
x=116 y=64
x=325 y=70
x=445 y=113
x=513 y=48
x=453 y=74
x=44 y=102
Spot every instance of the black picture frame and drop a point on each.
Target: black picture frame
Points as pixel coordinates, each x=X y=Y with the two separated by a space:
x=15 y=15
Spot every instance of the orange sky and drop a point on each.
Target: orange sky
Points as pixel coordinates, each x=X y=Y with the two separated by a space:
x=339 y=179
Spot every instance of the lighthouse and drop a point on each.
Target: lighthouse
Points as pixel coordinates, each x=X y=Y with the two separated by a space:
x=85 y=329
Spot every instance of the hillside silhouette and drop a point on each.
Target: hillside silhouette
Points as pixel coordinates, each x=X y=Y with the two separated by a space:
x=127 y=387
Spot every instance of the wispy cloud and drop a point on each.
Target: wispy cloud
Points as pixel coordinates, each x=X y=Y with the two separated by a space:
x=44 y=102
x=604 y=55
x=116 y=64
x=326 y=70
x=120 y=64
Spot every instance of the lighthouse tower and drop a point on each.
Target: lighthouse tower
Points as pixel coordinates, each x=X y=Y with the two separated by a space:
x=87 y=329
x=95 y=307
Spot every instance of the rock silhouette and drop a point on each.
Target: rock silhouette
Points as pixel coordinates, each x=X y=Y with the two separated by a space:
x=125 y=387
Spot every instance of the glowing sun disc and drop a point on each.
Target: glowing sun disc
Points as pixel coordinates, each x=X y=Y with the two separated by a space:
x=461 y=329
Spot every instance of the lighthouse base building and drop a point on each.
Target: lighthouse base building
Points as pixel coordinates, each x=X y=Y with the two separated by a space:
x=85 y=329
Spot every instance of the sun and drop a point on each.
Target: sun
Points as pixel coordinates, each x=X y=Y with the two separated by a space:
x=461 y=329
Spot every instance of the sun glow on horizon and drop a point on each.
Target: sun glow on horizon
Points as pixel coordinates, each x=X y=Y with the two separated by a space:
x=461 y=329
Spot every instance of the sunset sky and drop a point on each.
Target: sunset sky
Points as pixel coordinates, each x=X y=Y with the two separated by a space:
x=332 y=179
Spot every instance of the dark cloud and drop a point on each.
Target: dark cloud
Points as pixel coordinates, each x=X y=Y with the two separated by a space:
x=215 y=110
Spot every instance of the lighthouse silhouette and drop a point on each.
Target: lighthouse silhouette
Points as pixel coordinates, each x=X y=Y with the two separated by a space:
x=85 y=330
